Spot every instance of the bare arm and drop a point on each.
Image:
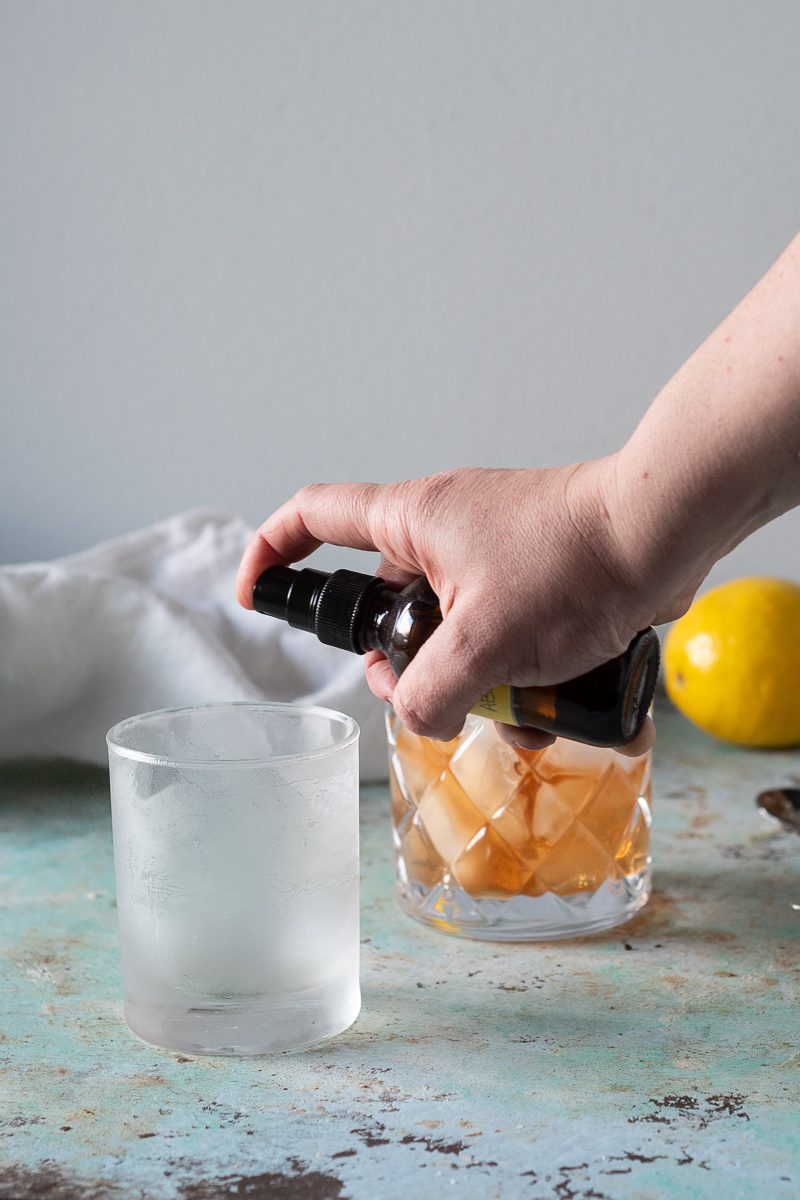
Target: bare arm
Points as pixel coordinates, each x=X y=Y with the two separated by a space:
x=544 y=574
x=717 y=454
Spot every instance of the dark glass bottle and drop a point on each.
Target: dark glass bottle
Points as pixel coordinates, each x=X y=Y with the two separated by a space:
x=604 y=707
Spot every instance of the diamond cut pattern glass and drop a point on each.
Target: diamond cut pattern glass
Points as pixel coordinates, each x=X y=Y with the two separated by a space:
x=504 y=844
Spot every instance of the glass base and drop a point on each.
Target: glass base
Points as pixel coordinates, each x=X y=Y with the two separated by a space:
x=524 y=918
x=248 y=1027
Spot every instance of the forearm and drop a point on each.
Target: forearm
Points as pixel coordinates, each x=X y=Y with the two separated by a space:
x=717 y=455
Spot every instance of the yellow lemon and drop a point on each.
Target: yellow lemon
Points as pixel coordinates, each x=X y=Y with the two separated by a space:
x=732 y=662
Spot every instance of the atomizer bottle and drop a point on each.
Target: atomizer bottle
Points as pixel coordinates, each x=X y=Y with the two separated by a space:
x=356 y=612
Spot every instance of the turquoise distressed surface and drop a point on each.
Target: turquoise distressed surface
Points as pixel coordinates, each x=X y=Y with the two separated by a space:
x=658 y=1060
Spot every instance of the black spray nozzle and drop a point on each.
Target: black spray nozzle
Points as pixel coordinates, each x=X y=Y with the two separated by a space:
x=289 y=594
x=327 y=604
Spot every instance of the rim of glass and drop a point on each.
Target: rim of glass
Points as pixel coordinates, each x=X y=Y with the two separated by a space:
x=171 y=760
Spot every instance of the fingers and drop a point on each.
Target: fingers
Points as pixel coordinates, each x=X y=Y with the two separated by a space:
x=381 y=678
x=442 y=682
x=340 y=513
x=438 y=689
x=258 y=556
x=395 y=575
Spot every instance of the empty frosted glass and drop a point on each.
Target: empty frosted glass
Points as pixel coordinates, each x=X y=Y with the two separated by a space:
x=236 y=859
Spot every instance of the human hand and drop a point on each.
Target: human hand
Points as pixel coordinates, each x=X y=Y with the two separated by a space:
x=542 y=575
x=524 y=563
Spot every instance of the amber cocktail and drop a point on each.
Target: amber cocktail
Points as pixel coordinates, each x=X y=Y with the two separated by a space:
x=503 y=844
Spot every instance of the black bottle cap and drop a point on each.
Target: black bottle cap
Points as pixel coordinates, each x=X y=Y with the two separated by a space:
x=327 y=604
x=340 y=607
x=290 y=595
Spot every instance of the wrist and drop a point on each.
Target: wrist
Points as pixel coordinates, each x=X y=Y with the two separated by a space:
x=717 y=454
x=602 y=507
x=676 y=513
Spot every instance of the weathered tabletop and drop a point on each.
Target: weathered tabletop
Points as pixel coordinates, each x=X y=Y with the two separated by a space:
x=658 y=1060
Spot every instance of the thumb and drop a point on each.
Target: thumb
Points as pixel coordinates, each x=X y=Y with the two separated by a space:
x=444 y=679
x=341 y=513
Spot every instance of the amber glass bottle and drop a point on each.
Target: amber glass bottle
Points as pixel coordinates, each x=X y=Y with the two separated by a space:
x=604 y=707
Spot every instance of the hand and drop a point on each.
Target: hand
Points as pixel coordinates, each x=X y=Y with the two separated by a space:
x=544 y=574
x=531 y=584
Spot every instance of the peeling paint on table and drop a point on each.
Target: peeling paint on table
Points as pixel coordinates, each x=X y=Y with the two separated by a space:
x=660 y=1059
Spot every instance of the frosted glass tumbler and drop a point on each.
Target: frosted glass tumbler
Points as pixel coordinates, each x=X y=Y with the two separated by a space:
x=236 y=860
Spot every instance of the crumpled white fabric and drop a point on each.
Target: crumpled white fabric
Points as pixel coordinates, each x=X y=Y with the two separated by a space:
x=149 y=620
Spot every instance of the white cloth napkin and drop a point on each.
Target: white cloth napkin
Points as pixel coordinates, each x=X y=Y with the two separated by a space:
x=147 y=621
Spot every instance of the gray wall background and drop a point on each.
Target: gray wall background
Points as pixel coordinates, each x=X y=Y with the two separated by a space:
x=247 y=245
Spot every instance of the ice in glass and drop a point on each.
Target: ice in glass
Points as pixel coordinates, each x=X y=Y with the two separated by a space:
x=506 y=844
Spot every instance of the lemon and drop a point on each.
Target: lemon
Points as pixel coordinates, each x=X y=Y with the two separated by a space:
x=732 y=662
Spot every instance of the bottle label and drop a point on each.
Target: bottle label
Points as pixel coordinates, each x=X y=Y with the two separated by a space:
x=496 y=705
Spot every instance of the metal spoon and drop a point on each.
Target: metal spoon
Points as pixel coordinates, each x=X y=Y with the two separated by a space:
x=782 y=805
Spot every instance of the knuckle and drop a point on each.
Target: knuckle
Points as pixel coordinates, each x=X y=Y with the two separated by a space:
x=418 y=715
x=391 y=515
x=368 y=504
x=308 y=494
x=467 y=645
x=435 y=489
